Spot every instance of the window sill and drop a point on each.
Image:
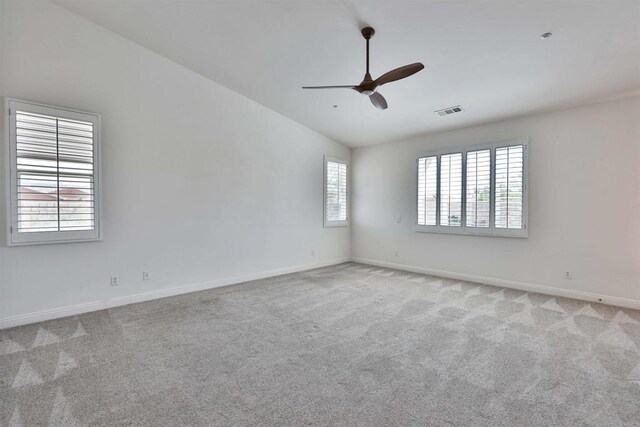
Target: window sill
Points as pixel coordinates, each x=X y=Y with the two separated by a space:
x=334 y=224
x=53 y=241
x=521 y=233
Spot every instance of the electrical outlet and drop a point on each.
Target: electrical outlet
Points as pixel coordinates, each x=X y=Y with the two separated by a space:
x=115 y=281
x=396 y=253
x=146 y=275
x=568 y=275
x=313 y=252
x=399 y=219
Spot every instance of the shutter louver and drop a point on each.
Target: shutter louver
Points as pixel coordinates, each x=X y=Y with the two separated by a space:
x=451 y=190
x=54 y=173
x=509 y=187
x=478 y=188
x=336 y=191
x=427 y=190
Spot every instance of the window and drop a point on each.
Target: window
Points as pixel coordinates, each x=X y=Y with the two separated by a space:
x=451 y=190
x=427 y=190
x=508 y=205
x=53 y=174
x=474 y=190
x=478 y=188
x=336 y=212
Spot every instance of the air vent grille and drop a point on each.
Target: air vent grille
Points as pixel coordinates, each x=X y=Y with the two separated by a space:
x=450 y=110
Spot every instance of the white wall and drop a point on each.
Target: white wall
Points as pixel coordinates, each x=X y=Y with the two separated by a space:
x=584 y=199
x=200 y=184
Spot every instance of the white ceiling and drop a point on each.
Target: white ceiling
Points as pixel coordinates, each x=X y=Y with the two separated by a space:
x=486 y=56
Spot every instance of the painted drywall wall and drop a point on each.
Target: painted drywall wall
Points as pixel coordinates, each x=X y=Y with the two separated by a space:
x=584 y=204
x=199 y=185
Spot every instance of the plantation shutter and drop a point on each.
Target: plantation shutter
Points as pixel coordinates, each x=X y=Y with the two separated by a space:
x=478 y=188
x=451 y=190
x=336 y=191
x=509 y=187
x=54 y=173
x=427 y=190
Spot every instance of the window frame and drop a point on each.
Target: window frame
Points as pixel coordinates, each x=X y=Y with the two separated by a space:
x=13 y=238
x=340 y=223
x=463 y=229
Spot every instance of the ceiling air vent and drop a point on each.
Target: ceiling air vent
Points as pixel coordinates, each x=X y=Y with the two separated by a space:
x=447 y=111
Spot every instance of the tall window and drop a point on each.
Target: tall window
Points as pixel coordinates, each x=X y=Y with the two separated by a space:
x=478 y=188
x=509 y=186
x=427 y=190
x=451 y=190
x=54 y=194
x=474 y=190
x=336 y=198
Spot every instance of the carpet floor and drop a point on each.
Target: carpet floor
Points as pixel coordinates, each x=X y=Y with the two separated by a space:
x=342 y=345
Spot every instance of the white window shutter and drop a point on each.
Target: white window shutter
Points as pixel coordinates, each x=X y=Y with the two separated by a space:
x=451 y=190
x=427 y=190
x=54 y=169
x=478 y=188
x=509 y=187
x=335 y=192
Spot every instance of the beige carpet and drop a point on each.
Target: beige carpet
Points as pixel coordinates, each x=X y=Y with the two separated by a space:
x=344 y=345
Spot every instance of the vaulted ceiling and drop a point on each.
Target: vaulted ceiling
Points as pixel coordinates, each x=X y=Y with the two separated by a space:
x=487 y=57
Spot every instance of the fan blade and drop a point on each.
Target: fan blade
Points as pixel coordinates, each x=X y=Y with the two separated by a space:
x=329 y=87
x=378 y=101
x=398 y=73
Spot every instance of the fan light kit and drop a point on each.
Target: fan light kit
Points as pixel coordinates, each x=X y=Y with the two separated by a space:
x=368 y=86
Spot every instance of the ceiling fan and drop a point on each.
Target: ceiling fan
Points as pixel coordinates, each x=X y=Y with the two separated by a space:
x=368 y=86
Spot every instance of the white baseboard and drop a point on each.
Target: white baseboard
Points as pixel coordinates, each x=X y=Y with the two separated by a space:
x=39 y=316
x=521 y=286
